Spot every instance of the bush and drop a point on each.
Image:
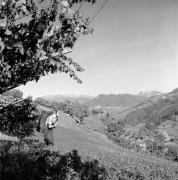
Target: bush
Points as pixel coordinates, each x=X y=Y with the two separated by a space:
x=32 y=162
x=97 y=111
x=117 y=129
x=74 y=109
x=19 y=119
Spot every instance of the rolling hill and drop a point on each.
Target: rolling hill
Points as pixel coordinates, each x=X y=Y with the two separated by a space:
x=158 y=108
x=161 y=111
x=90 y=142
x=103 y=100
x=119 y=100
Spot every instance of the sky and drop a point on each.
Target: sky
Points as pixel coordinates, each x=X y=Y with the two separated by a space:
x=134 y=47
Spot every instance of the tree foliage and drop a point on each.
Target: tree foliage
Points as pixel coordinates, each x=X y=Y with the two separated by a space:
x=33 y=162
x=74 y=109
x=33 y=39
x=17 y=119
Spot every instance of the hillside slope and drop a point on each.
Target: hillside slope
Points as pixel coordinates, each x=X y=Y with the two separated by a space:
x=161 y=112
x=155 y=110
x=72 y=135
x=113 y=100
x=69 y=135
x=91 y=144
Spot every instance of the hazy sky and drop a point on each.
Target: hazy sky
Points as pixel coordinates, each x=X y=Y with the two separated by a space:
x=134 y=47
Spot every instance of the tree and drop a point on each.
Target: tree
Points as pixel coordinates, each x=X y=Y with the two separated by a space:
x=75 y=109
x=33 y=39
x=97 y=111
x=34 y=36
x=31 y=46
x=18 y=118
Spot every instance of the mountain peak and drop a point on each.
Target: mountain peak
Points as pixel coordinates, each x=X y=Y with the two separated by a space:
x=149 y=93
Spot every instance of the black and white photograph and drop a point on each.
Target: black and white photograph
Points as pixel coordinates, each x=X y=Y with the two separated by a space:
x=88 y=89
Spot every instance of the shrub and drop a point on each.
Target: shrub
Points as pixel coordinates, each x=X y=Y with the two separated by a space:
x=97 y=111
x=74 y=109
x=19 y=119
x=32 y=162
x=116 y=128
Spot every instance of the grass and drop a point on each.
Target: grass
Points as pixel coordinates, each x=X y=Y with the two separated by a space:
x=119 y=161
x=121 y=164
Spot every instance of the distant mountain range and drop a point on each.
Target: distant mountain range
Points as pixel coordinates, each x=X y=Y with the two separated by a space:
x=116 y=100
x=103 y=100
x=62 y=98
x=108 y=100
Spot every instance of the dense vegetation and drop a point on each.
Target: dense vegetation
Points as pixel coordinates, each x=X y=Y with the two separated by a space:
x=97 y=111
x=17 y=117
x=33 y=38
x=74 y=109
x=33 y=162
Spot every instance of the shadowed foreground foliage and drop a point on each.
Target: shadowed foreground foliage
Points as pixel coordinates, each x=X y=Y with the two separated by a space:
x=29 y=160
x=17 y=119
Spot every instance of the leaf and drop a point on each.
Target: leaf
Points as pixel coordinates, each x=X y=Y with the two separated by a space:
x=24 y=41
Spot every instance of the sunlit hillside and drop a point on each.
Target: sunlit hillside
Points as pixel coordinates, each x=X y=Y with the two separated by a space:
x=91 y=143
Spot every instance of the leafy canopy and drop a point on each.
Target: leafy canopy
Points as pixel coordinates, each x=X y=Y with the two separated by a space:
x=17 y=119
x=34 y=36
